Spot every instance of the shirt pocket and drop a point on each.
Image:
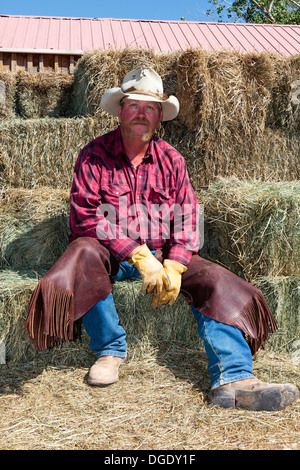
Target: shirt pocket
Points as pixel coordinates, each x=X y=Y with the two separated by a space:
x=160 y=195
x=161 y=210
x=111 y=193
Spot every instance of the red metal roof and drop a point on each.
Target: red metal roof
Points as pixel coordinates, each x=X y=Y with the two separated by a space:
x=62 y=35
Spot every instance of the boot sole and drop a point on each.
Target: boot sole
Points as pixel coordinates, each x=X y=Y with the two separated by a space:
x=94 y=383
x=272 y=398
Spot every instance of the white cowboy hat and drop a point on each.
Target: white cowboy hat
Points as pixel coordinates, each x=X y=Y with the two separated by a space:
x=142 y=84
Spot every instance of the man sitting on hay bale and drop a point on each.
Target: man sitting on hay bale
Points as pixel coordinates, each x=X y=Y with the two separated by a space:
x=130 y=194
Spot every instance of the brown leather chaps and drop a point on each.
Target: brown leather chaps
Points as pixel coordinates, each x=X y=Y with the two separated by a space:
x=83 y=276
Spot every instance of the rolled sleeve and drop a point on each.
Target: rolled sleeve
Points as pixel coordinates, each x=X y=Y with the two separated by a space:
x=180 y=254
x=120 y=249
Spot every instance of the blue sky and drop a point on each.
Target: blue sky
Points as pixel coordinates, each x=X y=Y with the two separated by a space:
x=143 y=9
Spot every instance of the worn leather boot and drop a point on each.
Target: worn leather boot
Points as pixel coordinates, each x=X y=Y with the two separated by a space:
x=252 y=394
x=105 y=371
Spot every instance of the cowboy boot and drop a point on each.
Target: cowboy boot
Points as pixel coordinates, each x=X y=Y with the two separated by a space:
x=252 y=394
x=105 y=371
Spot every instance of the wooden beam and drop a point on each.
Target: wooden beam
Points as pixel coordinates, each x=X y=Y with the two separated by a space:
x=1 y=61
x=13 y=62
x=72 y=65
x=41 y=62
x=30 y=63
x=56 y=64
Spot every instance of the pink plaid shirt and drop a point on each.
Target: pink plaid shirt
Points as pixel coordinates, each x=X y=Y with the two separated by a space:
x=124 y=207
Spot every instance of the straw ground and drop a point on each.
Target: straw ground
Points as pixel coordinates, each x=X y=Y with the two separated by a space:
x=160 y=402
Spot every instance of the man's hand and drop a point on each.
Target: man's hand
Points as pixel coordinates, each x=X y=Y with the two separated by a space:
x=153 y=274
x=174 y=271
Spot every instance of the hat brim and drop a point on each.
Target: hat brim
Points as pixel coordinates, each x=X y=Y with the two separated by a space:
x=111 y=100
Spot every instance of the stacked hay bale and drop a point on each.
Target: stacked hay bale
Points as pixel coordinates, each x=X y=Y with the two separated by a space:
x=43 y=94
x=42 y=152
x=33 y=234
x=35 y=96
x=7 y=94
x=39 y=144
x=236 y=115
x=253 y=229
x=237 y=123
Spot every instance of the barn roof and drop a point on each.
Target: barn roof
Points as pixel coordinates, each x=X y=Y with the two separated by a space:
x=61 y=35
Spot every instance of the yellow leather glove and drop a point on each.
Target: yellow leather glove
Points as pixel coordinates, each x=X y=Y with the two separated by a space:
x=174 y=271
x=152 y=271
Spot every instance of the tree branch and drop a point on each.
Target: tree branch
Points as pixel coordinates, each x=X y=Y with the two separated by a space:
x=295 y=3
x=271 y=7
x=267 y=13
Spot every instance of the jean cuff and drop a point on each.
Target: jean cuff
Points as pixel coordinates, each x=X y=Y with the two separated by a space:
x=227 y=380
x=112 y=353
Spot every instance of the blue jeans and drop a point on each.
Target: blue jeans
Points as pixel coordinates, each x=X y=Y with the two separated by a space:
x=229 y=356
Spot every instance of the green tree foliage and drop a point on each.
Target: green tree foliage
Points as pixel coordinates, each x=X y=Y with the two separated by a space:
x=256 y=11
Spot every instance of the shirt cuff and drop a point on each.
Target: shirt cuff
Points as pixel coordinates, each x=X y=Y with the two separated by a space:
x=180 y=254
x=120 y=249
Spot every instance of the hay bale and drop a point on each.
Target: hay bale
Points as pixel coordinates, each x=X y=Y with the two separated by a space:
x=274 y=157
x=283 y=296
x=235 y=116
x=253 y=227
x=136 y=315
x=15 y=292
x=283 y=112
x=16 y=287
x=240 y=120
x=33 y=227
x=163 y=324
x=225 y=93
x=42 y=152
x=43 y=94
x=141 y=322
x=99 y=70
x=8 y=95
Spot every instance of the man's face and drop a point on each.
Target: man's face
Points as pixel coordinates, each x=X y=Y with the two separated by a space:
x=139 y=118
